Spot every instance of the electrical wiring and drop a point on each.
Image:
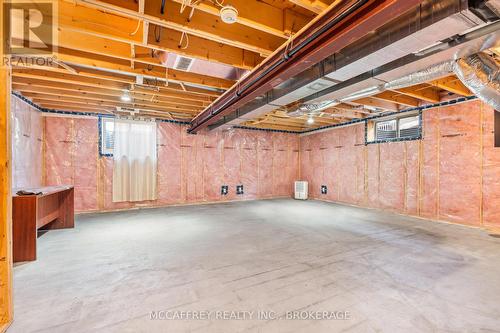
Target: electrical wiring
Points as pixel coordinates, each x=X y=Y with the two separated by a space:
x=184 y=34
x=162 y=8
x=184 y=4
x=136 y=29
x=157 y=32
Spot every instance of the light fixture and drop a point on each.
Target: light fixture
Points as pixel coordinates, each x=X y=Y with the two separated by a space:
x=125 y=97
x=228 y=14
x=310 y=120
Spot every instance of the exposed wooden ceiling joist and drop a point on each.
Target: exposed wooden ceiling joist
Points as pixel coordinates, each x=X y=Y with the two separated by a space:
x=111 y=102
x=111 y=24
x=451 y=84
x=177 y=24
x=30 y=84
x=314 y=6
x=207 y=26
x=423 y=92
x=84 y=53
x=377 y=103
x=203 y=49
x=92 y=92
x=94 y=107
x=391 y=100
x=261 y=16
x=397 y=98
x=112 y=96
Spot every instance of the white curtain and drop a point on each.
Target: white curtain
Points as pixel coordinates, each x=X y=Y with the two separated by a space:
x=135 y=160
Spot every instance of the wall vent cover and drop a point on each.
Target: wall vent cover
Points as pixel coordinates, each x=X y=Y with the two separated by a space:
x=183 y=63
x=301 y=190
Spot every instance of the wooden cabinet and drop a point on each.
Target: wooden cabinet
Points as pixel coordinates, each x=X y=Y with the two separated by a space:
x=53 y=209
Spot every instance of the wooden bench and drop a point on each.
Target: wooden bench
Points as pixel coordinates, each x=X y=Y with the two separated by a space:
x=53 y=209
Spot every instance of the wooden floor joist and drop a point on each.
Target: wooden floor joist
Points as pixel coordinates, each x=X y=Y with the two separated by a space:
x=109 y=47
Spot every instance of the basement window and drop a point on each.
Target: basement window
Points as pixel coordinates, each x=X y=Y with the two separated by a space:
x=106 y=136
x=394 y=128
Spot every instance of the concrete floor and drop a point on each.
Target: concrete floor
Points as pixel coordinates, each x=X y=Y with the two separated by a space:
x=390 y=273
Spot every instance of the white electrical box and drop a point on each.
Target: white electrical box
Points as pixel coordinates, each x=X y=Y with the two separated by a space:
x=301 y=190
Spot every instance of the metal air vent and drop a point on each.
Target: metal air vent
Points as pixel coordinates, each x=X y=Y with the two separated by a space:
x=183 y=63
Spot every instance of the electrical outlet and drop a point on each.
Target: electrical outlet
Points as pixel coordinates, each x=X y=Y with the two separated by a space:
x=224 y=190
x=324 y=189
x=239 y=189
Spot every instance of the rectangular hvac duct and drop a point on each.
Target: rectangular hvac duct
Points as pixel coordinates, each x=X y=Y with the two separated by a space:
x=434 y=24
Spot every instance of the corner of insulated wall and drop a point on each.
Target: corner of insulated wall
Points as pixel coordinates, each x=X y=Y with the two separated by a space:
x=450 y=175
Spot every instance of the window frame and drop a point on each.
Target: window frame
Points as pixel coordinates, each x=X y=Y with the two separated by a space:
x=101 y=122
x=371 y=128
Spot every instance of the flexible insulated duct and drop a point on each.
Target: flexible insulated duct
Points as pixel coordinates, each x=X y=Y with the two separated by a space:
x=426 y=75
x=481 y=74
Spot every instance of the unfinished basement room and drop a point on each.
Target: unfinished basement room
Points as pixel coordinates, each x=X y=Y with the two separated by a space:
x=263 y=166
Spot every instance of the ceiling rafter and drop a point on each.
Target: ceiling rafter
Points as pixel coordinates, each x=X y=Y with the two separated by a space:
x=106 y=88
x=421 y=91
x=58 y=105
x=110 y=102
x=99 y=53
x=177 y=23
x=90 y=21
x=389 y=100
x=111 y=67
x=37 y=84
x=315 y=6
x=207 y=26
x=280 y=22
x=109 y=96
x=453 y=85
x=397 y=98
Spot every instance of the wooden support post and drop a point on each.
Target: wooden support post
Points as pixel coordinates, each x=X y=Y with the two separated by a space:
x=5 y=194
x=497 y=128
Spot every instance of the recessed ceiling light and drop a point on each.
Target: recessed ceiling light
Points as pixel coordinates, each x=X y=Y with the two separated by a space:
x=310 y=120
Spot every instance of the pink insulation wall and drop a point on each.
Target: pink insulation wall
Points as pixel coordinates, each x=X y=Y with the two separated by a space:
x=27 y=145
x=453 y=174
x=191 y=168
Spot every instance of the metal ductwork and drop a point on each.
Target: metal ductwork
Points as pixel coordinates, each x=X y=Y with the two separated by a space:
x=428 y=34
x=488 y=9
x=414 y=69
x=426 y=75
x=481 y=74
x=338 y=27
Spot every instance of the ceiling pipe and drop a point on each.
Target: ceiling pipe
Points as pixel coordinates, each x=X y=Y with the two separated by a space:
x=341 y=25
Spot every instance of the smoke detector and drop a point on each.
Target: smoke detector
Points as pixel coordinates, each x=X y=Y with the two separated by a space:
x=228 y=14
